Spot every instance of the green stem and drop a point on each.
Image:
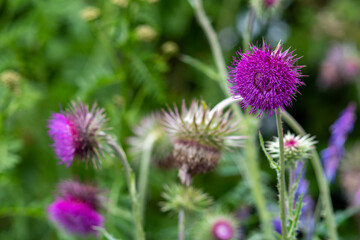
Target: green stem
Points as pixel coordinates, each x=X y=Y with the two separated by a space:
x=320 y=176
x=215 y=49
x=181 y=225
x=130 y=179
x=252 y=173
x=252 y=164
x=247 y=35
x=144 y=171
x=282 y=183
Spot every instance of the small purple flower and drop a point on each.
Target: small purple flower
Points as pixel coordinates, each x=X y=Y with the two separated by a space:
x=78 y=132
x=265 y=79
x=75 y=217
x=270 y=3
x=332 y=155
x=277 y=225
x=76 y=208
x=223 y=230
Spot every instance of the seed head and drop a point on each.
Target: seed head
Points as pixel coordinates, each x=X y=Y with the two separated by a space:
x=199 y=135
x=90 y=13
x=217 y=226
x=265 y=79
x=145 y=33
x=78 y=132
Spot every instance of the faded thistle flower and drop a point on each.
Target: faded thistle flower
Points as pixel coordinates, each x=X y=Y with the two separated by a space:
x=121 y=3
x=217 y=226
x=342 y=127
x=170 y=48
x=90 y=13
x=178 y=197
x=198 y=135
x=150 y=130
x=340 y=66
x=76 y=208
x=265 y=79
x=296 y=148
x=78 y=132
x=350 y=174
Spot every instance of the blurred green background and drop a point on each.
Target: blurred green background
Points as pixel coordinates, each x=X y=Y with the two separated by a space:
x=128 y=56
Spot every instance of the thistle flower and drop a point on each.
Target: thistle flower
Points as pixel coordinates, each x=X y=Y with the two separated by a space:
x=295 y=147
x=217 y=226
x=76 y=207
x=151 y=127
x=265 y=79
x=332 y=155
x=340 y=66
x=78 y=132
x=198 y=136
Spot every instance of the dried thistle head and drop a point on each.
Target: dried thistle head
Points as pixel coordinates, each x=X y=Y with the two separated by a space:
x=151 y=131
x=199 y=135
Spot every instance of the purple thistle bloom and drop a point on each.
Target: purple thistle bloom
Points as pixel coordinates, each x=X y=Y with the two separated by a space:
x=332 y=155
x=265 y=79
x=78 y=132
x=76 y=208
x=75 y=217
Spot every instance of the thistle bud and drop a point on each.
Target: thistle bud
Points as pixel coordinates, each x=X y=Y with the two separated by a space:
x=178 y=197
x=11 y=80
x=145 y=33
x=78 y=132
x=296 y=148
x=198 y=135
x=76 y=208
x=217 y=226
x=90 y=13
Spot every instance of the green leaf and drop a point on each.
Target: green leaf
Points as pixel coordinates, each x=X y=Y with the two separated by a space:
x=202 y=67
x=273 y=164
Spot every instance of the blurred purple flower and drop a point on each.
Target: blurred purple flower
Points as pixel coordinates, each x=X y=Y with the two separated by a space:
x=76 y=208
x=265 y=79
x=341 y=65
x=75 y=217
x=277 y=225
x=78 y=132
x=223 y=230
x=332 y=155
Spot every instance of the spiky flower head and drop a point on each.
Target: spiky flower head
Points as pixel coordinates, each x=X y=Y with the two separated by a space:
x=295 y=147
x=78 y=132
x=265 y=79
x=76 y=208
x=178 y=197
x=199 y=134
x=150 y=131
x=217 y=226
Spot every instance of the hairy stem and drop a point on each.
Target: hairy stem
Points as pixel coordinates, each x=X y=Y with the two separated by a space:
x=144 y=171
x=131 y=183
x=320 y=176
x=181 y=224
x=282 y=183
